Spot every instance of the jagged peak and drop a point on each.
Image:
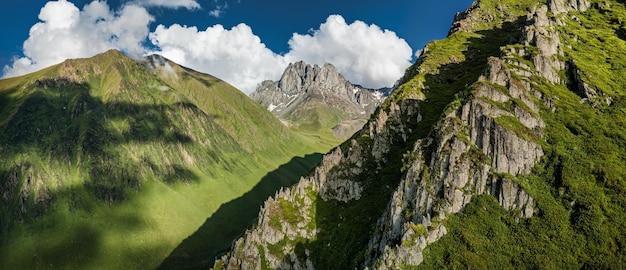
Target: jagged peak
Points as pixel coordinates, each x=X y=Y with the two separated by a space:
x=303 y=69
x=298 y=75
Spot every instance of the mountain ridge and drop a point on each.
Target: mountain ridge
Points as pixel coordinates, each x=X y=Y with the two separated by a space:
x=108 y=163
x=477 y=160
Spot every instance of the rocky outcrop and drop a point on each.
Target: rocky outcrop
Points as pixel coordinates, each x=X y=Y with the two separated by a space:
x=564 y=6
x=464 y=21
x=583 y=89
x=338 y=177
x=577 y=82
x=482 y=145
x=471 y=153
x=272 y=239
x=539 y=33
x=303 y=90
x=32 y=197
x=289 y=216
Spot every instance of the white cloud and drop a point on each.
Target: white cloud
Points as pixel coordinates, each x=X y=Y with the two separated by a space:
x=188 y=4
x=67 y=32
x=216 y=13
x=234 y=55
x=364 y=54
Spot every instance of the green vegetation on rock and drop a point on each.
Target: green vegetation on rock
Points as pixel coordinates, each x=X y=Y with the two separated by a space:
x=579 y=185
x=419 y=161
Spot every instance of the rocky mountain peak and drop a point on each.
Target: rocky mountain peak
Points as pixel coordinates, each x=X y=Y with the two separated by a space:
x=300 y=76
x=304 y=91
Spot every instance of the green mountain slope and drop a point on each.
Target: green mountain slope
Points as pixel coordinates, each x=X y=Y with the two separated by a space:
x=502 y=148
x=110 y=163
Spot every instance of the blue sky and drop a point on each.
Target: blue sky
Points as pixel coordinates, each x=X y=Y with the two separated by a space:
x=255 y=42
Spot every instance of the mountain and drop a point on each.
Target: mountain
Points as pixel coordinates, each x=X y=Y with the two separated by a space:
x=315 y=98
x=109 y=162
x=502 y=147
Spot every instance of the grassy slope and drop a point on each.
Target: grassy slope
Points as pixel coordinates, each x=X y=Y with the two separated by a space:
x=130 y=169
x=579 y=184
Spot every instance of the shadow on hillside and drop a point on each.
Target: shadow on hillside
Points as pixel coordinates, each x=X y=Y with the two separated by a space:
x=345 y=229
x=59 y=134
x=60 y=121
x=85 y=242
x=218 y=232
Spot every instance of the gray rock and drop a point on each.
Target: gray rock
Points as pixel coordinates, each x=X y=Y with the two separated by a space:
x=303 y=87
x=563 y=6
x=584 y=90
x=539 y=33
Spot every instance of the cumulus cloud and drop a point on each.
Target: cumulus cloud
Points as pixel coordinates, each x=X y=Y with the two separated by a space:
x=235 y=55
x=188 y=4
x=67 y=32
x=364 y=54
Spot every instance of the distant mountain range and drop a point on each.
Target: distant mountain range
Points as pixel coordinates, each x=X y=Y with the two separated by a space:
x=315 y=98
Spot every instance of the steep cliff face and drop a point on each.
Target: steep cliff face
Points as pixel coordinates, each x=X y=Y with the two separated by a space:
x=314 y=97
x=468 y=120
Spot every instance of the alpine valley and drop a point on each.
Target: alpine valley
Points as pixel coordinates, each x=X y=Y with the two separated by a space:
x=503 y=147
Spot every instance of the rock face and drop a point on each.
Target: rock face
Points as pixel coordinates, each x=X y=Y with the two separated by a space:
x=290 y=215
x=305 y=93
x=471 y=153
x=564 y=6
x=481 y=145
